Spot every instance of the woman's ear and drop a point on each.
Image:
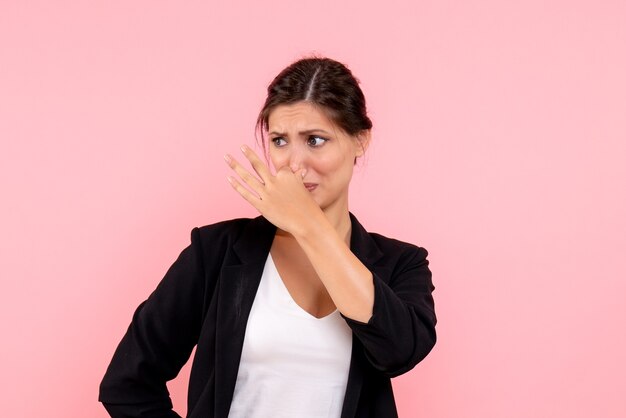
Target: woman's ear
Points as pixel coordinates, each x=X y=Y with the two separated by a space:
x=363 y=141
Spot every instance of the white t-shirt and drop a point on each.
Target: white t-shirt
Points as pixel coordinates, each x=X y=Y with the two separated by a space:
x=292 y=363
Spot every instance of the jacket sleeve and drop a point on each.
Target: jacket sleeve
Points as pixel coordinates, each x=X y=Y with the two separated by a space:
x=163 y=331
x=401 y=330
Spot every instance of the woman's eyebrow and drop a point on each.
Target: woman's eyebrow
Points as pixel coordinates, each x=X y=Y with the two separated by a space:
x=302 y=133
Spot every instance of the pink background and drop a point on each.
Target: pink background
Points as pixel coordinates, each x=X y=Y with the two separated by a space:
x=499 y=145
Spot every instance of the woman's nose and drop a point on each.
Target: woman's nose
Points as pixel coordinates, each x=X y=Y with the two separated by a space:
x=297 y=159
x=294 y=165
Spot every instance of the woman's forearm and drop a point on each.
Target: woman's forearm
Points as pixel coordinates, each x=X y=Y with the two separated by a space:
x=348 y=282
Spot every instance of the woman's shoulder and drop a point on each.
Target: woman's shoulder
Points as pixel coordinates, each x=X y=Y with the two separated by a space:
x=393 y=243
x=231 y=230
x=393 y=247
x=227 y=225
x=233 y=240
x=388 y=246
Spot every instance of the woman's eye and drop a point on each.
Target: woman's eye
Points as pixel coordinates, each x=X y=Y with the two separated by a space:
x=279 y=142
x=316 y=141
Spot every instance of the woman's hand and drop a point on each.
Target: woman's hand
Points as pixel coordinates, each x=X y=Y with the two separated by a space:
x=282 y=198
x=284 y=201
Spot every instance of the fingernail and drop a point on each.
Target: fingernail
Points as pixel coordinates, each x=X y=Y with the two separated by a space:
x=244 y=148
x=227 y=158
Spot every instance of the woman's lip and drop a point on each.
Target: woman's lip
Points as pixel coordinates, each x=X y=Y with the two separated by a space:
x=310 y=186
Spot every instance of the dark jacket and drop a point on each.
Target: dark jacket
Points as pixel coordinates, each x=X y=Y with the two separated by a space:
x=206 y=296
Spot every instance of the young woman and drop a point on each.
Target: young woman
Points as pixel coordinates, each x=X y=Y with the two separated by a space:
x=299 y=312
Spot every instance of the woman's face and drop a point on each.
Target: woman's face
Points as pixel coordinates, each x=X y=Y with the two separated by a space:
x=302 y=137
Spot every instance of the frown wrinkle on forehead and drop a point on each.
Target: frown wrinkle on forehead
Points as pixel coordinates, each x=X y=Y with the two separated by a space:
x=302 y=133
x=299 y=119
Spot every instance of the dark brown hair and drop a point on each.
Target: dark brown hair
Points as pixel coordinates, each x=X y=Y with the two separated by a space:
x=323 y=82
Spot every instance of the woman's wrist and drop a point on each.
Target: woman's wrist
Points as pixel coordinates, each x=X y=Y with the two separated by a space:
x=313 y=227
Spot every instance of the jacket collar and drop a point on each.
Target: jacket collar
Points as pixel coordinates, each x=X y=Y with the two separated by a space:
x=362 y=244
x=256 y=240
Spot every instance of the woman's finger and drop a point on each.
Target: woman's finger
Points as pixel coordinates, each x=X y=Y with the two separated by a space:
x=254 y=183
x=253 y=199
x=258 y=165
